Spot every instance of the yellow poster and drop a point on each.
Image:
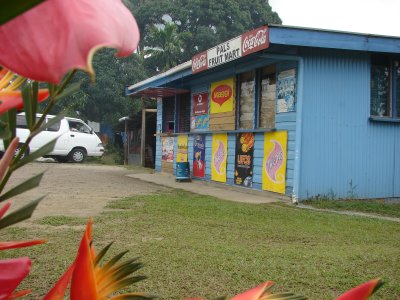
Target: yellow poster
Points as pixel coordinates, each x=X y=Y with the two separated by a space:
x=274 y=164
x=219 y=155
x=182 y=155
x=222 y=96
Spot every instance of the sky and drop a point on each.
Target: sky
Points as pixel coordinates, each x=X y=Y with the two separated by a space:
x=362 y=16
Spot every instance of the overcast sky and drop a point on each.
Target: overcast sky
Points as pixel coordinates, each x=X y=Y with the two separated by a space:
x=364 y=16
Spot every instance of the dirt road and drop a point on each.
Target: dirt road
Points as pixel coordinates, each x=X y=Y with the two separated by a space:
x=80 y=190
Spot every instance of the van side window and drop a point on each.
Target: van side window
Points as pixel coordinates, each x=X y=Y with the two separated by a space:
x=54 y=127
x=78 y=127
x=21 y=122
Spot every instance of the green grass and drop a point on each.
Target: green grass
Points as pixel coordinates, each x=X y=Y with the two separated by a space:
x=378 y=207
x=61 y=221
x=195 y=245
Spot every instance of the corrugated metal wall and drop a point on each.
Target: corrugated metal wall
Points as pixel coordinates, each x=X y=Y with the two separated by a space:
x=344 y=154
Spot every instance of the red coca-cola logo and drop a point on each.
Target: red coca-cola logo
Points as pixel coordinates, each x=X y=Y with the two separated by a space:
x=255 y=40
x=199 y=62
x=221 y=94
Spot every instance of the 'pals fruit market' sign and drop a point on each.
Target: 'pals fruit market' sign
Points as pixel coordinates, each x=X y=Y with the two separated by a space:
x=245 y=44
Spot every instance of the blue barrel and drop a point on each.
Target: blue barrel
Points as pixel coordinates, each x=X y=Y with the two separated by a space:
x=182 y=170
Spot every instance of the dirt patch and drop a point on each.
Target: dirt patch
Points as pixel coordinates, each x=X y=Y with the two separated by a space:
x=80 y=190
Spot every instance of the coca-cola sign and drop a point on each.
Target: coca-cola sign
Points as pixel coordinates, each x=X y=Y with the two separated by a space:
x=255 y=40
x=245 y=44
x=199 y=62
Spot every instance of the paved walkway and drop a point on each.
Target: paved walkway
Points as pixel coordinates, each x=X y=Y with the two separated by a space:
x=219 y=190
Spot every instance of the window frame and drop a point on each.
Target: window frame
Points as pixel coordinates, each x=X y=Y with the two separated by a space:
x=394 y=87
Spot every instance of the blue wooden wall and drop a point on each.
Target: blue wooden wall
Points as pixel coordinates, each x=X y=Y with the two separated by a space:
x=343 y=153
x=158 y=138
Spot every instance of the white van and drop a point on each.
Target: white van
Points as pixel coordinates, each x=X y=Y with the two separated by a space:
x=75 y=139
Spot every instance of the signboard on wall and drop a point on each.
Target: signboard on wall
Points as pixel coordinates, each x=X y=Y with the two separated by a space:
x=167 y=149
x=244 y=159
x=245 y=44
x=199 y=154
x=222 y=95
x=182 y=155
x=286 y=91
x=274 y=163
x=200 y=103
x=200 y=122
x=219 y=156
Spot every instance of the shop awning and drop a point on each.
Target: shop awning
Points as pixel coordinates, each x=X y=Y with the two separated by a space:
x=159 y=92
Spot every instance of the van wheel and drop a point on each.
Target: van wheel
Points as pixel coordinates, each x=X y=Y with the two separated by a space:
x=77 y=155
x=19 y=150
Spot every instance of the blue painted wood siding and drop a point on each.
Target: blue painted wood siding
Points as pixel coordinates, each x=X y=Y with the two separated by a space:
x=343 y=153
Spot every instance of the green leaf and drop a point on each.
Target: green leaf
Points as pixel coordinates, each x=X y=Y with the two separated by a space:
x=12 y=8
x=20 y=214
x=101 y=254
x=34 y=155
x=30 y=111
x=112 y=262
x=4 y=130
x=23 y=187
x=11 y=119
x=69 y=90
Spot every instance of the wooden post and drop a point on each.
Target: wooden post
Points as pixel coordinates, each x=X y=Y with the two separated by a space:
x=143 y=139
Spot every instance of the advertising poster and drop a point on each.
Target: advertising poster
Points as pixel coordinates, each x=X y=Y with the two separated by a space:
x=222 y=95
x=167 y=149
x=199 y=154
x=219 y=155
x=200 y=103
x=182 y=155
x=200 y=122
x=244 y=159
x=274 y=163
x=286 y=91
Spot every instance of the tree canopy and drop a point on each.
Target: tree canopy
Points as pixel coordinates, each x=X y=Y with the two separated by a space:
x=172 y=31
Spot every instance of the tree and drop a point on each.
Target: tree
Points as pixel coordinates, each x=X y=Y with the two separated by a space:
x=103 y=100
x=165 y=46
x=209 y=21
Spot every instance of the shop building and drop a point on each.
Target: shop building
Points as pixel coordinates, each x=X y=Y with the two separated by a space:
x=297 y=111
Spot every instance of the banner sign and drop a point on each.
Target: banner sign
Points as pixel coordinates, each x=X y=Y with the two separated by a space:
x=222 y=95
x=200 y=122
x=274 y=163
x=182 y=155
x=219 y=156
x=244 y=159
x=199 y=154
x=245 y=44
x=200 y=103
x=167 y=149
x=286 y=91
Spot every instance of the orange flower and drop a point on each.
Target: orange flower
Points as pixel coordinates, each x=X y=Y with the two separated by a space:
x=90 y=281
x=56 y=36
x=363 y=291
x=12 y=272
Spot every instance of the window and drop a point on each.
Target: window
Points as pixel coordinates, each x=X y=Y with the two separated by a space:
x=55 y=127
x=76 y=126
x=184 y=113
x=246 y=100
x=385 y=87
x=267 y=97
x=169 y=114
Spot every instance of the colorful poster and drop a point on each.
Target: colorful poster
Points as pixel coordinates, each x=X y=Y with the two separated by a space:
x=199 y=153
x=222 y=95
x=286 y=91
x=200 y=103
x=167 y=149
x=200 y=122
x=182 y=155
x=219 y=155
x=274 y=164
x=244 y=159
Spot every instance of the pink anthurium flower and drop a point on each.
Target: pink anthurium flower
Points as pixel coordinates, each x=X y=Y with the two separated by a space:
x=12 y=272
x=56 y=36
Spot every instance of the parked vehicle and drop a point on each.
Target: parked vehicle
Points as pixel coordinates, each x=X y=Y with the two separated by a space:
x=75 y=139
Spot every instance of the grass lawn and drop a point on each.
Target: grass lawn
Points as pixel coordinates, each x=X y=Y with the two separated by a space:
x=195 y=245
x=368 y=206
